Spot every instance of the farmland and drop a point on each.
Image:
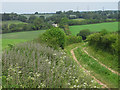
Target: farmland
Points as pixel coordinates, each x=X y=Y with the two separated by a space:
x=41 y=55
x=13 y=22
x=110 y=27
x=14 y=38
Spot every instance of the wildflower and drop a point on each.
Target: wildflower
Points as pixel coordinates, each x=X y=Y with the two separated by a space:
x=54 y=54
x=68 y=83
x=92 y=80
x=78 y=86
x=19 y=72
x=49 y=62
x=76 y=80
x=74 y=86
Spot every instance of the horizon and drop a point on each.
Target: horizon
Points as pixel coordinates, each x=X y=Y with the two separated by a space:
x=52 y=7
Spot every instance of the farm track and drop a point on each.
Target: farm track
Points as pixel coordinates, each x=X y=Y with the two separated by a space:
x=73 y=55
x=100 y=62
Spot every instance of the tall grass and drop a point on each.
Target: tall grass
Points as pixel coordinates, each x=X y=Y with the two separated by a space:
x=33 y=65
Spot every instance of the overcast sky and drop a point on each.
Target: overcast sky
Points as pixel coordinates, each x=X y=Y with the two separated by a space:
x=43 y=6
x=59 y=0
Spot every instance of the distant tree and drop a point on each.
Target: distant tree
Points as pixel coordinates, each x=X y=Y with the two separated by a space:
x=22 y=18
x=31 y=19
x=36 y=12
x=58 y=12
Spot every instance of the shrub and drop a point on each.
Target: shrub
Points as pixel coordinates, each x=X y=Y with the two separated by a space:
x=104 y=41
x=73 y=39
x=84 y=33
x=54 y=37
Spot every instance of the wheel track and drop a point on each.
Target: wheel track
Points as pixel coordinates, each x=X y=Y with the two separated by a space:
x=73 y=55
x=100 y=62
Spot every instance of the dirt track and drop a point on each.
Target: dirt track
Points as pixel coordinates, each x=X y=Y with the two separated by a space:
x=73 y=55
x=100 y=62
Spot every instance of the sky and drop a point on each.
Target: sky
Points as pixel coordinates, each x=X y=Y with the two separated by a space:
x=51 y=6
x=59 y=0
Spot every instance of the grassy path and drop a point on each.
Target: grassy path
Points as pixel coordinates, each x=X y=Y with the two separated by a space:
x=99 y=72
x=72 y=52
x=100 y=62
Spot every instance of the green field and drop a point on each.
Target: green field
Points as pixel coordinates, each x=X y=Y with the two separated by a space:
x=109 y=26
x=80 y=19
x=18 y=37
x=13 y=22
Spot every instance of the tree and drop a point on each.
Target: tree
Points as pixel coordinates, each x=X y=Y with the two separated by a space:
x=58 y=12
x=84 y=33
x=36 y=12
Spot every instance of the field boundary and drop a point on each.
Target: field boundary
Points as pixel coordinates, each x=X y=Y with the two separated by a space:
x=100 y=62
x=73 y=55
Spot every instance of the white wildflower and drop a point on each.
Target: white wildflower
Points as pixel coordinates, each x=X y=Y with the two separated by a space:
x=19 y=72
x=68 y=83
x=74 y=86
x=76 y=80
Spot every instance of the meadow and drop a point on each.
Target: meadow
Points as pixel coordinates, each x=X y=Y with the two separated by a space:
x=13 y=22
x=109 y=26
x=18 y=37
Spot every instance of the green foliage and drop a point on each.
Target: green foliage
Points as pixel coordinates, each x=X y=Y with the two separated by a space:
x=73 y=39
x=105 y=41
x=84 y=33
x=54 y=37
x=66 y=30
x=99 y=71
x=34 y=65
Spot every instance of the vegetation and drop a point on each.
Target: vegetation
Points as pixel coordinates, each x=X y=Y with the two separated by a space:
x=84 y=33
x=110 y=27
x=44 y=60
x=19 y=37
x=42 y=67
x=23 y=35
x=100 y=72
x=73 y=39
x=106 y=58
x=53 y=37
x=105 y=41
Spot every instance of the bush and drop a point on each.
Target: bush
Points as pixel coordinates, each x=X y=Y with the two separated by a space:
x=84 y=33
x=104 y=41
x=54 y=37
x=73 y=39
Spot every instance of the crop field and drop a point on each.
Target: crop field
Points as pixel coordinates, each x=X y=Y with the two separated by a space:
x=109 y=26
x=18 y=37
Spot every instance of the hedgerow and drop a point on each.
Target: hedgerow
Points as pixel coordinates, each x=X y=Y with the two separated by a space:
x=104 y=41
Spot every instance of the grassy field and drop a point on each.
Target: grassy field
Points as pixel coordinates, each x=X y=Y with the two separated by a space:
x=13 y=22
x=78 y=19
x=109 y=26
x=97 y=70
x=18 y=37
